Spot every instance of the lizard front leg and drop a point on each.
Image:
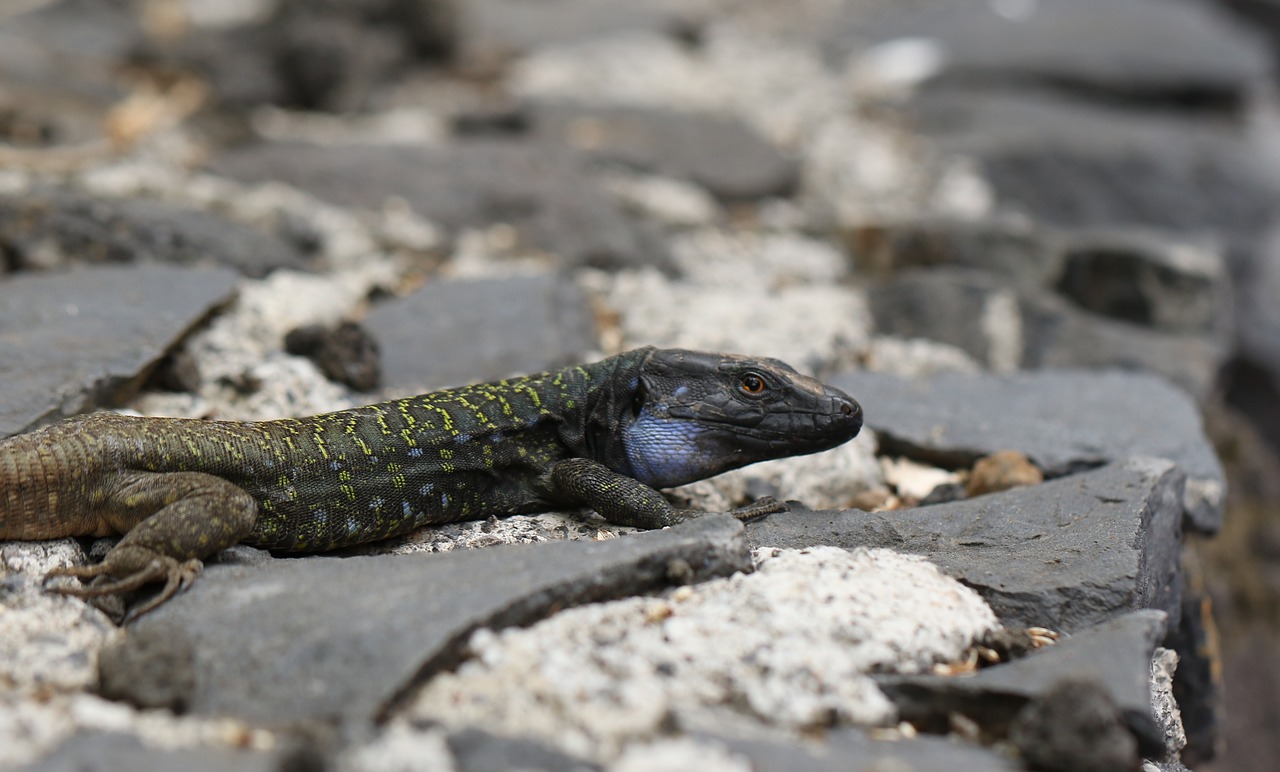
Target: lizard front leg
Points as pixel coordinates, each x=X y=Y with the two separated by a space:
x=626 y=501
x=170 y=520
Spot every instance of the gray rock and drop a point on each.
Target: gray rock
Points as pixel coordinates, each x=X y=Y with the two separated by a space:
x=461 y=331
x=74 y=341
x=347 y=353
x=847 y=749
x=1175 y=52
x=475 y=750
x=1114 y=656
x=492 y=32
x=1083 y=164
x=543 y=192
x=1056 y=334
x=1143 y=278
x=971 y=310
x=720 y=153
x=334 y=641
x=108 y=751
x=1063 y=420
x=1064 y=555
x=50 y=230
x=1012 y=248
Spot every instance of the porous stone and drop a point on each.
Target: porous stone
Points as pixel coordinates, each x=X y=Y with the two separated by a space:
x=83 y=339
x=335 y=641
x=1063 y=420
x=52 y=230
x=461 y=331
x=795 y=640
x=720 y=153
x=541 y=191
x=1064 y=555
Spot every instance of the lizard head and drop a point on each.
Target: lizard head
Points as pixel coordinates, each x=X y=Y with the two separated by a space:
x=694 y=415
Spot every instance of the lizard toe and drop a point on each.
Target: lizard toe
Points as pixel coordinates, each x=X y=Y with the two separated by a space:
x=766 y=505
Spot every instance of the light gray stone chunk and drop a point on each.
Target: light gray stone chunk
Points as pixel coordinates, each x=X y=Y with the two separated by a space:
x=328 y=641
x=73 y=341
x=1064 y=420
x=1064 y=555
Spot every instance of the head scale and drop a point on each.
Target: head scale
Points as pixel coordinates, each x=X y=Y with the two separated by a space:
x=694 y=415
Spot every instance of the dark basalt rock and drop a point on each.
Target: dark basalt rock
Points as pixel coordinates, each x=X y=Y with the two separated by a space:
x=332 y=642
x=1066 y=554
x=844 y=749
x=105 y=751
x=346 y=353
x=544 y=192
x=463 y=331
x=74 y=341
x=1064 y=420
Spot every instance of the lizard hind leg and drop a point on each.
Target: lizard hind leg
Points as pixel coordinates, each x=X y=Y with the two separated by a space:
x=170 y=522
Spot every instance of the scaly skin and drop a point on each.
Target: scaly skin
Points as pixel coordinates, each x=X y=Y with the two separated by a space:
x=603 y=436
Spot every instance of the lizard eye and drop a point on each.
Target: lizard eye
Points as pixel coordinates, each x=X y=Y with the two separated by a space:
x=751 y=383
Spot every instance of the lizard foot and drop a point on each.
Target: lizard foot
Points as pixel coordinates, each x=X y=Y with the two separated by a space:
x=766 y=505
x=178 y=575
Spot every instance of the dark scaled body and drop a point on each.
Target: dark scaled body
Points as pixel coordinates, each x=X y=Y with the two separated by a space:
x=603 y=435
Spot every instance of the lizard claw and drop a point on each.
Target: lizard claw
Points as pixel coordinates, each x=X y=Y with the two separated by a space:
x=177 y=575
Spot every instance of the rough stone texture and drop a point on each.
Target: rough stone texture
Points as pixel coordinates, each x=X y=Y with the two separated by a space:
x=1064 y=421
x=461 y=331
x=1146 y=279
x=107 y=751
x=1177 y=52
x=74 y=341
x=721 y=154
x=475 y=750
x=346 y=353
x=1014 y=248
x=1074 y=727
x=1064 y=555
x=337 y=640
x=1115 y=655
x=795 y=640
x=852 y=750
x=42 y=231
x=542 y=191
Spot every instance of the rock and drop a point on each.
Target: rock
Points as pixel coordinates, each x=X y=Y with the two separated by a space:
x=1056 y=334
x=335 y=641
x=52 y=230
x=104 y=751
x=1114 y=658
x=1142 y=278
x=1013 y=248
x=83 y=339
x=493 y=32
x=852 y=749
x=1181 y=53
x=1064 y=421
x=1066 y=554
x=543 y=192
x=971 y=310
x=462 y=331
x=475 y=750
x=722 y=154
x=1074 y=727
x=346 y=354
x=1001 y=471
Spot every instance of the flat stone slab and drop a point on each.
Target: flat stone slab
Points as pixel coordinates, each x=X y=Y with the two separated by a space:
x=92 y=751
x=1066 y=554
x=543 y=191
x=720 y=153
x=461 y=331
x=334 y=641
x=1115 y=655
x=73 y=341
x=847 y=749
x=1063 y=420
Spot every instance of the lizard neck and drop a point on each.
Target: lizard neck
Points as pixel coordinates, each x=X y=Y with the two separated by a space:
x=593 y=426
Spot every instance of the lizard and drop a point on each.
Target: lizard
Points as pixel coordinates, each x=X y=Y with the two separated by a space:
x=604 y=436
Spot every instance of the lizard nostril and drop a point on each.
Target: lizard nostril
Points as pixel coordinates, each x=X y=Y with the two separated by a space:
x=846 y=408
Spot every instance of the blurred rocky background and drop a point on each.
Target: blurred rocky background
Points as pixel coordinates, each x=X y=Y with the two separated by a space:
x=253 y=208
